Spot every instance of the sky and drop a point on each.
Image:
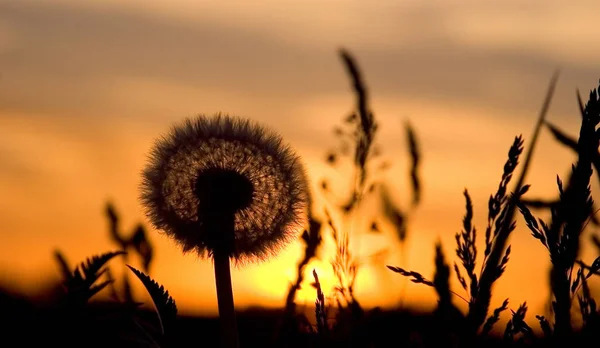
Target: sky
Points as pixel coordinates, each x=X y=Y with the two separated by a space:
x=85 y=89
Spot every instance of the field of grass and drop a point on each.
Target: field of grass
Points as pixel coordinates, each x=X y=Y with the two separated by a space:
x=73 y=318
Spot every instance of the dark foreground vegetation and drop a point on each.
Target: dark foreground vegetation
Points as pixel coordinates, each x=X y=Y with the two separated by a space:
x=106 y=324
x=73 y=318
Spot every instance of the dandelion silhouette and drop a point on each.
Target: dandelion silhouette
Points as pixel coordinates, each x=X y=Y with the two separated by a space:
x=226 y=188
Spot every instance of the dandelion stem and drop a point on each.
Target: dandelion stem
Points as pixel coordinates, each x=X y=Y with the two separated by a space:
x=229 y=333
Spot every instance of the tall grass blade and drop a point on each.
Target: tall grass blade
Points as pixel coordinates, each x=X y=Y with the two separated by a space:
x=490 y=269
x=166 y=308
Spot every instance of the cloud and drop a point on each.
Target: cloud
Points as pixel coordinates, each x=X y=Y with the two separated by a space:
x=66 y=56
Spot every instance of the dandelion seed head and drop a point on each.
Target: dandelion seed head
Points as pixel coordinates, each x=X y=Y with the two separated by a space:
x=207 y=167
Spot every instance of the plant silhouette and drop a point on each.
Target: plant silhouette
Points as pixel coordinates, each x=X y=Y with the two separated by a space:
x=80 y=283
x=137 y=242
x=232 y=191
x=225 y=188
x=501 y=208
x=562 y=236
x=166 y=309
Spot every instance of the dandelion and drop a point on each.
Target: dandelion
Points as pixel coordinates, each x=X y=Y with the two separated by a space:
x=225 y=188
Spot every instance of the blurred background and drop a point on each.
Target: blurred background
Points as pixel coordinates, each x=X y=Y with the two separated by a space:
x=86 y=87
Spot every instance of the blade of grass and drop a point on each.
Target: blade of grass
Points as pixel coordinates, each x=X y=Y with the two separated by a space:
x=479 y=313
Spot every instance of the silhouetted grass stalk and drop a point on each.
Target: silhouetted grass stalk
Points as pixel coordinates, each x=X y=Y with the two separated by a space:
x=573 y=210
x=569 y=216
x=312 y=239
x=345 y=265
x=478 y=311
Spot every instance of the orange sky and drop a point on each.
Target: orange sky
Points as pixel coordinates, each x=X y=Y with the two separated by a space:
x=84 y=90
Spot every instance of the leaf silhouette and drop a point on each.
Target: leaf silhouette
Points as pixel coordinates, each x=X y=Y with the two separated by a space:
x=63 y=264
x=90 y=270
x=80 y=286
x=96 y=288
x=415 y=277
x=113 y=219
x=562 y=137
x=142 y=246
x=415 y=161
x=393 y=214
x=166 y=308
x=580 y=103
x=571 y=142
